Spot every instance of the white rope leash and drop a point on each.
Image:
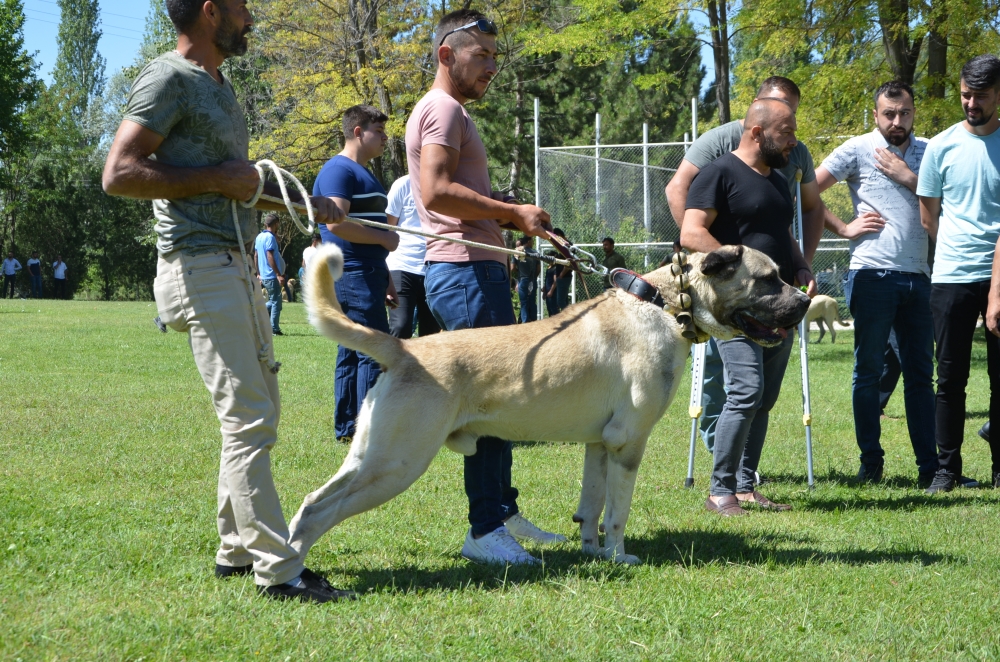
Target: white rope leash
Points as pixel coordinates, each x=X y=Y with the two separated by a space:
x=264 y=353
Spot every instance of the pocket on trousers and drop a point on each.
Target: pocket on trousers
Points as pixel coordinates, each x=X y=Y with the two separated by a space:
x=166 y=291
x=451 y=307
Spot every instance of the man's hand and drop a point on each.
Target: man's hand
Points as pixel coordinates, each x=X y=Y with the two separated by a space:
x=533 y=221
x=867 y=223
x=236 y=179
x=993 y=312
x=895 y=168
x=281 y=280
x=805 y=277
x=326 y=211
x=391 y=297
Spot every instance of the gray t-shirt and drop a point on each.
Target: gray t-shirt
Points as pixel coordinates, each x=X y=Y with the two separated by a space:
x=202 y=124
x=726 y=138
x=902 y=243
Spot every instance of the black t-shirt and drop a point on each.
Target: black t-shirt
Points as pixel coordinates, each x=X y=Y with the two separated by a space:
x=753 y=210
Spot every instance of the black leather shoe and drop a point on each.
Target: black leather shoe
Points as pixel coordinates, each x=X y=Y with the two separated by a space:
x=226 y=571
x=313 y=589
x=870 y=474
x=984 y=432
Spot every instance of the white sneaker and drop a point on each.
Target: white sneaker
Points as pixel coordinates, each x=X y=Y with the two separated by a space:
x=496 y=547
x=522 y=529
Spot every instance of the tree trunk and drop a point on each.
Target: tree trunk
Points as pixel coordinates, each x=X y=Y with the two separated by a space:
x=894 y=17
x=937 y=50
x=516 y=158
x=718 y=24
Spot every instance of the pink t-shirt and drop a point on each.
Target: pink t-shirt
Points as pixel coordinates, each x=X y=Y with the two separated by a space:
x=438 y=119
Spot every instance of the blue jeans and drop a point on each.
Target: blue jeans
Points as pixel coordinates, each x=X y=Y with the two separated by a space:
x=526 y=290
x=881 y=301
x=36 y=286
x=273 y=303
x=890 y=374
x=473 y=295
x=361 y=293
x=753 y=382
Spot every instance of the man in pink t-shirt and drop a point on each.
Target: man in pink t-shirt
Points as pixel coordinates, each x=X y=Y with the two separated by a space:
x=469 y=287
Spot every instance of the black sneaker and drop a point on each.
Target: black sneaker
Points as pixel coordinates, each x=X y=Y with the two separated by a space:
x=965 y=481
x=226 y=571
x=984 y=432
x=313 y=589
x=277 y=333
x=870 y=474
x=943 y=482
x=924 y=480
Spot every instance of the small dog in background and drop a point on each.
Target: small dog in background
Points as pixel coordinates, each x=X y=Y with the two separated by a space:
x=824 y=309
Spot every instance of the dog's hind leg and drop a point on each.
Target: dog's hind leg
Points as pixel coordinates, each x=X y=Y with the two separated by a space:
x=833 y=331
x=822 y=331
x=588 y=514
x=623 y=467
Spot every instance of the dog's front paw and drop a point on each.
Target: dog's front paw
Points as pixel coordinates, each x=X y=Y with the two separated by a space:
x=628 y=559
x=593 y=549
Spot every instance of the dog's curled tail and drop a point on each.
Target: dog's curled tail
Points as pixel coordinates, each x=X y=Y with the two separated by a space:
x=325 y=313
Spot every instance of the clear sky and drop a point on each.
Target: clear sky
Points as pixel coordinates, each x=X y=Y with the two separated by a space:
x=121 y=20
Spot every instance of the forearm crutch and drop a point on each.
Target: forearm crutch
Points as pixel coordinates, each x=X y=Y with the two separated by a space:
x=694 y=405
x=804 y=341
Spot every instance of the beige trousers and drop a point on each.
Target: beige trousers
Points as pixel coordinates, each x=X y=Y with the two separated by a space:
x=206 y=297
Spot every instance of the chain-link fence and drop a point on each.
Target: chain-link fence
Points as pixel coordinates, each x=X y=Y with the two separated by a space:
x=617 y=191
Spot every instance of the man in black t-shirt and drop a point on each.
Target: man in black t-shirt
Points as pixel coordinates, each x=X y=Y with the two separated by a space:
x=741 y=198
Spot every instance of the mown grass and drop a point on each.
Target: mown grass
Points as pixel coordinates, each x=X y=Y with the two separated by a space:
x=109 y=454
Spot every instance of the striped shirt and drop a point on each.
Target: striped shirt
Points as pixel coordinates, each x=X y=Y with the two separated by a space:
x=343 y=178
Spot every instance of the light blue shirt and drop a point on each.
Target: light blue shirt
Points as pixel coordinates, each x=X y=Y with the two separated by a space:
x=963 y=169
x=267 y=242
x=902 y=244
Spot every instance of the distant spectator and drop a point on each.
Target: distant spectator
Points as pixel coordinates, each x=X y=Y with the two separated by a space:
x=10 y=269
x=612 y=259
x=271 y=269
x=35 y=274
x=406 y=266
x=557 y=281
x=59 y=269
x=528 y=269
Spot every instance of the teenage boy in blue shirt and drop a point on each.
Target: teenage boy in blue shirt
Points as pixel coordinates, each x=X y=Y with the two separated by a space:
x=365 y=288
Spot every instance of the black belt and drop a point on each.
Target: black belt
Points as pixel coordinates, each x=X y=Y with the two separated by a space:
x=634 y=284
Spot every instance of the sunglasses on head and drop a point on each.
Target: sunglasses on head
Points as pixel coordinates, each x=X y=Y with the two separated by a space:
x=485 y=26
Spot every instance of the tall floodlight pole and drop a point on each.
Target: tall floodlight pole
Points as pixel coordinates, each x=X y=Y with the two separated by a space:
x=694 y=119
x=647 y=221
x=538 y=203
x=597 y=165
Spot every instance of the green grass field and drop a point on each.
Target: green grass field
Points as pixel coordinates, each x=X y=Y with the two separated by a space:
x=109 y=451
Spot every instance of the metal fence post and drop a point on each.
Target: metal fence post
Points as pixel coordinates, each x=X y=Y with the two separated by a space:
x=597 y=166
x=646 y=220
x=538 y=203
x=694 y=119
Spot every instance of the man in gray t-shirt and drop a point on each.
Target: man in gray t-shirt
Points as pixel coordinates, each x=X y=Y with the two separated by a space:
x=888 y=285
x=183 y=143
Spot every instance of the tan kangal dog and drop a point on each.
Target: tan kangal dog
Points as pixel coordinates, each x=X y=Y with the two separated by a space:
x=602 y=373
x=824 y=309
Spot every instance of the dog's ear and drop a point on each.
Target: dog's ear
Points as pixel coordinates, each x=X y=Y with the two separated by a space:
x=722 y=259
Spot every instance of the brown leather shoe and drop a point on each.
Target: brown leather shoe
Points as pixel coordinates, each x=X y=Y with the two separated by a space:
x=763 y=502
x=728 y=506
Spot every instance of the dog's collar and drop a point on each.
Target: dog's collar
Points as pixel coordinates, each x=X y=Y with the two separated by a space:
x=635 y=285
x=638 y=287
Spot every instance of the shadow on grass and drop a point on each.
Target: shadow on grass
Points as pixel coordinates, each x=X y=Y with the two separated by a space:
x=689 y=548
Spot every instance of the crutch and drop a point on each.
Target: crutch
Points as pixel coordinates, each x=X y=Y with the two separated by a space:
x=804 y=341
x=694 y=405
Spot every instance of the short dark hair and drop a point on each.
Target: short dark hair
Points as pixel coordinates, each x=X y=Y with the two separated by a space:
x=449 y=22
x=363 y=116
x=270 y=219
x=982 y=72
x=786 y=85
x=893 y=90
x=558 y=231
x=608 y=239
x=316 y=237
x=523 y=240
x=184 y=13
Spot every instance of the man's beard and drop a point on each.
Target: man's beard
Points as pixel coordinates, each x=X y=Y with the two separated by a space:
x=773 y=157
x=467 y=90
x=983 y=118
x=229 y=39
x=897 y=139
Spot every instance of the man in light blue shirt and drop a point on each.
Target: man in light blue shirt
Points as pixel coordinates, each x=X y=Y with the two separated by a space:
x=959 y=191
x=888 y=285
x=271 y=269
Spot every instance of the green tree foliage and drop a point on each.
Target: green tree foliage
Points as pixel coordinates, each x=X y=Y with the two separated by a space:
x=79 y=71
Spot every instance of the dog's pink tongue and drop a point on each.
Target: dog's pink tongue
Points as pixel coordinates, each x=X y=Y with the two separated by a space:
x=782 y=332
